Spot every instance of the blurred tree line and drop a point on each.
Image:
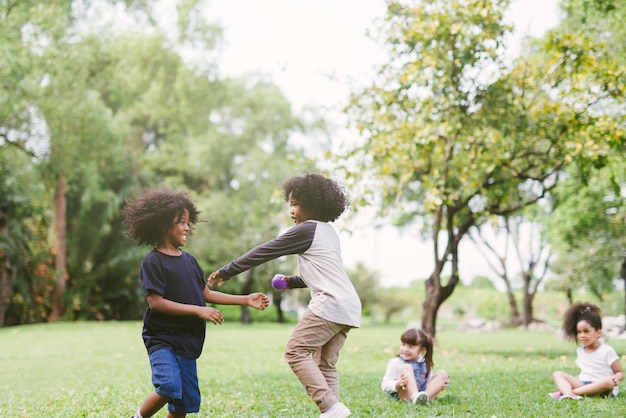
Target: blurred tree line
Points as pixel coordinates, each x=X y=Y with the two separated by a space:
x=101 y=98
x=457 y=136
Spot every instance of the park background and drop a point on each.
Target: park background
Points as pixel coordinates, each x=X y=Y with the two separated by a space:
x=485 y=168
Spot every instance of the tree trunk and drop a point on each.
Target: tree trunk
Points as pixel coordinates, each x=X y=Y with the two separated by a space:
x=431 y=304
x=278 y=298
x=8 y=272
x=528 y=308
x=245 y=290
x=570 y=296
x=515 y=315
x=436 y=293
x=60 y=256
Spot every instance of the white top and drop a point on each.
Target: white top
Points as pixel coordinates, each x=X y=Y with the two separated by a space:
x=596 y=365
x=333 y=296
x=390 y=379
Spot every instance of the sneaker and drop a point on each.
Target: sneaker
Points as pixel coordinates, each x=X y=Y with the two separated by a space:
x=419 y=397
x=555 y=395
x=338 y=410
x=570 y=396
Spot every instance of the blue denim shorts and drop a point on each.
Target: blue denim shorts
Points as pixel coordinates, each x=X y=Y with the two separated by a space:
x=176 y=378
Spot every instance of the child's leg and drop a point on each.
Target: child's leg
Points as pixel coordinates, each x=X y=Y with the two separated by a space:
x=437 y=383
x=406 y=392
x=153 y=403
x=602 y=387
x=309 y=336
x=565 y=383
x=326 y=358
x=170 y=373
x=190 y=400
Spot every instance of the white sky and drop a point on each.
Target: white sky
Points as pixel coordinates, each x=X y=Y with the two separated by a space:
x=315 y=49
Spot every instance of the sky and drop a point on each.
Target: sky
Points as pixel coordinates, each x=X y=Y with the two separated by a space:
x=314 y=50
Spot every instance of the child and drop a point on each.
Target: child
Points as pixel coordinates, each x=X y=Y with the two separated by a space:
x=600 y=369
x=173 y=282
x=409 y=376
x=335 y=307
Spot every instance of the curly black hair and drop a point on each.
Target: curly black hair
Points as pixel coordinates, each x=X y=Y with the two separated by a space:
x=148 y=216
x=581 y=312
x=322 y=198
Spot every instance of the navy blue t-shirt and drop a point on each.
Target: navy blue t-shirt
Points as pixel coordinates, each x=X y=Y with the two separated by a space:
x=179 y=279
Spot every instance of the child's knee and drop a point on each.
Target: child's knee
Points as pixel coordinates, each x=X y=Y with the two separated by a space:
x=406 y=368
x=293 y=355
x=607 y=385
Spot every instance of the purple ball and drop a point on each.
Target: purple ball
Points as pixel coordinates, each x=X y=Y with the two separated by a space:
x=278 y=283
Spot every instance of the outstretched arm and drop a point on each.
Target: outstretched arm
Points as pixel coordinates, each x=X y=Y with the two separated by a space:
x=255 y=300
x=294 y=241
x=158 y=303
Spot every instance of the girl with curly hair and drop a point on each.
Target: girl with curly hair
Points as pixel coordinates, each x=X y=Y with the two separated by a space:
x=600 y=368
x=335 y=308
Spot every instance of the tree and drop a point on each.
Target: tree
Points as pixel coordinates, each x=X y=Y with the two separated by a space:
x=532 y=255
x=366 y=283
x=85 y=131
x=25 y=30
x=246 y=161
x=453 y=135
x=588 y=230
x=392 y=301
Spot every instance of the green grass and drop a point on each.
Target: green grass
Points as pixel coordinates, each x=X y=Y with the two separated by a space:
x=101 y=370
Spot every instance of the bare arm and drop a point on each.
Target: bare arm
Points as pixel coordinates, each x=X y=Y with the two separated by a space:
x=254 y=300
x=159 y=304
x=618 y=373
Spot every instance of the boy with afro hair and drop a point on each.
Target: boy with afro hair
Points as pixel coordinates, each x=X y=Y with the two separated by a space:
x=335 y=308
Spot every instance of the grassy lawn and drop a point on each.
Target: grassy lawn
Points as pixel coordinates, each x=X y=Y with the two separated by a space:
x=101 y=370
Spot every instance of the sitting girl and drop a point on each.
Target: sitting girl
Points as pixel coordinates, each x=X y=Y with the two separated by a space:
x=409 y=375
x=600 y=369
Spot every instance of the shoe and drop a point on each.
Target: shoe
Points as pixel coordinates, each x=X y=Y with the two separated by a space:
x=555 y=395
x=338 y=410
x=419 y=397
x=570 y=396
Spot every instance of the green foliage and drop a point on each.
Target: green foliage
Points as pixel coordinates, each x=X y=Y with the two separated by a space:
x=503 y=374
x=481 y=282
x=111 y=109
x=453 y=134
x=470 y=302
x=588 y=229
x=367 y=286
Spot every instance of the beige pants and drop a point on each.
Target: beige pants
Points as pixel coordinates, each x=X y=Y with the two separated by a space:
x=312 y=353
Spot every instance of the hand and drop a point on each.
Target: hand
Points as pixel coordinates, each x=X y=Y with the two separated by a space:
x=258 y=301
x=402 y=382
x=614 y=380
x=215 y=278
x=211 y=314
